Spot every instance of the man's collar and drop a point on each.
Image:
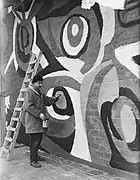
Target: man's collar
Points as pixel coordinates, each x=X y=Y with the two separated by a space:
x=31 y=87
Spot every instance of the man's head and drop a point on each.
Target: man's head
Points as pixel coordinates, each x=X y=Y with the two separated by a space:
x=37 y=81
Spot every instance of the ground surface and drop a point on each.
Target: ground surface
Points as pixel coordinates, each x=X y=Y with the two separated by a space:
x=53 y=168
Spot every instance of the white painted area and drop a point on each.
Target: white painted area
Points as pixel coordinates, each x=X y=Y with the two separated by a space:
x=108 y=15
x=7 y=103
x=35 y=48
x=126 y=153
x=128 y=123
x=109 y=89
x=43 y=61
x=119 y=4
x=51 y=110
x=75 y=50
x=80 y=146
x=115 y=4
x=55 y=115
x=13 y=55
x=75 y=29
x=124 y=55
x=73 y=65
x=9 y=9
x=9 y=62
x=87 y=4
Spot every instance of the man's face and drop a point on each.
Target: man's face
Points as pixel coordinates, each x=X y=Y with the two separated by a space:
x=38 y=84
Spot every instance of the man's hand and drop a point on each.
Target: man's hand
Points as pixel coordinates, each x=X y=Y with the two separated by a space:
x=42 y=116
x=55 y=98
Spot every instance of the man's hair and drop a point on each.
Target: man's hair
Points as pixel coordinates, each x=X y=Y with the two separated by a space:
x=37 y=78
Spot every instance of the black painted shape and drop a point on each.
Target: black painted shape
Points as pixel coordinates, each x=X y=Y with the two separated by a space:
x=52 y=40
x=135 y=145
x=98 y=14
x=61 y=11
x=132 y=8
x=22 y=36
x=8 y=3
x=113 y=129
x=126 y=24
x=130 y=1
x=24 y=58
x=26 y=5
x=108 y=107
x=20 y=72
x=69 y=109
x=65 y=143
x=82 y=51
x=9 y=21
x=137 y=59
x=41 y=15
x=54 y=65
x=117 y=161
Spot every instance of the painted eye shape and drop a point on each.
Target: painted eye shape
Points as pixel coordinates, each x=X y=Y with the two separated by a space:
x=74 y=36
x=24 y=41
x=63 y=108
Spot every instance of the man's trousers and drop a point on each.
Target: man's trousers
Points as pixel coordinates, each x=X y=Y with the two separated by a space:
x=34 y=143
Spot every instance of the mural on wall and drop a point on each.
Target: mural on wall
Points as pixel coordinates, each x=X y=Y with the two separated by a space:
x=91 y=57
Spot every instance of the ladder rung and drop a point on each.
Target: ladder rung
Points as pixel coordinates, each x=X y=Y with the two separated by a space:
x=33 y=62
x=29 y=71
x=26 y=80
x=17 y=108
x=15 y=118
x=11 y=128
x=20 y=99
x=5 y=149
x=23 y=89
x=32 y=57
x=9 y=139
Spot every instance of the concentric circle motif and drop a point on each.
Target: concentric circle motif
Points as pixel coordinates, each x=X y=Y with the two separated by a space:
x=65 y=107
x=125 y=115
x=23 y=44
x=75 y=36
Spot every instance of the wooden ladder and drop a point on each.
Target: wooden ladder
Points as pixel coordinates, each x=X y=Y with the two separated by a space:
x=14 y=126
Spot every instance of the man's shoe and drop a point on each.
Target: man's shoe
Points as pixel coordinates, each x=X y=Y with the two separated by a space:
x=35 y=164
x=40 y=158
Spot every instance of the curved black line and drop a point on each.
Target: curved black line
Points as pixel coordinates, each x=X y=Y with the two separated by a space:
x=106 y=113
x=126 y=92
x=69 y=109
x=117 y=161
x=22 y=37
x=96 y=9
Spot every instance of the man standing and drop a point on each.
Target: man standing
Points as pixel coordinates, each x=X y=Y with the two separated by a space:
x=35 y=113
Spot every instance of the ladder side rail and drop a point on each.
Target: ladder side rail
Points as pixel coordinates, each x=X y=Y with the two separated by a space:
x=12 y=140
